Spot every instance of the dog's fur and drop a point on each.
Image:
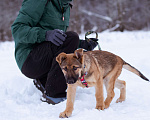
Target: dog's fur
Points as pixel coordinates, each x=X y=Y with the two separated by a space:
x=102 y=67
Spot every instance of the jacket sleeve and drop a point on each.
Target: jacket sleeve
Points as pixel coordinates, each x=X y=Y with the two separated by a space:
x=24 y=28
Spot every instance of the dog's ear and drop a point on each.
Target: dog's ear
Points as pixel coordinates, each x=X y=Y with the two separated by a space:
x=62 y=56
x=79 y=55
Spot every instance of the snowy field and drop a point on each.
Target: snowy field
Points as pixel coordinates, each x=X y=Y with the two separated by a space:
x=20 y=100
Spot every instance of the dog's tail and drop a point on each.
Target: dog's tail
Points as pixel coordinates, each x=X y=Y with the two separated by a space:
x=127 y=66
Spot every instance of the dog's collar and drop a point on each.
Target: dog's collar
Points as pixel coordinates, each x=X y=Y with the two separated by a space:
x=82 y=79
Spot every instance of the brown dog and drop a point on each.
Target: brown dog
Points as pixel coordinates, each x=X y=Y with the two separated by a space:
x=94 y=68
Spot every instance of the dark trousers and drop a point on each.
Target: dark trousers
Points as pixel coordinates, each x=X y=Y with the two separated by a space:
x=41 y=64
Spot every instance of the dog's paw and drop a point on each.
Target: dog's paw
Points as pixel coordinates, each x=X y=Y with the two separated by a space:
x=65 y=114
x=100 y=107
x=107 y=104
x=119 y=100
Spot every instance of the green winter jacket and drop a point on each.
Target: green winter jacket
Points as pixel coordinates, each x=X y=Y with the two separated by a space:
x=32 y=22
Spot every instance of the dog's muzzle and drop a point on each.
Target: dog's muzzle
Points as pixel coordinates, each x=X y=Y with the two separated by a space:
x=70 y=81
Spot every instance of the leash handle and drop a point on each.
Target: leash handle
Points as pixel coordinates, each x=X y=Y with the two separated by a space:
x=90 y=32
x=88 y=39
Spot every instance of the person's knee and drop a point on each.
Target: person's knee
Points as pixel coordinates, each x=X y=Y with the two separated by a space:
x=72 y=37
x=71 y=33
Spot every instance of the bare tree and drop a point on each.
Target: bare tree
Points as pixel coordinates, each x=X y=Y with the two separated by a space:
x=9 y=10
x=87 y=15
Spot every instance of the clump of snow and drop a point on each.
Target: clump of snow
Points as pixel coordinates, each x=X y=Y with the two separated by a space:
x=20 y=100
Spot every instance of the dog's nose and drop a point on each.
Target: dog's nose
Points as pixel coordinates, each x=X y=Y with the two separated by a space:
x=71 y=81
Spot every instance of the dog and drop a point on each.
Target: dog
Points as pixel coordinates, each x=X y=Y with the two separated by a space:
x=93 y=69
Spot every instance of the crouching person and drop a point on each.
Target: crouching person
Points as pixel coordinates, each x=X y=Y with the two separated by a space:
x=39 y=32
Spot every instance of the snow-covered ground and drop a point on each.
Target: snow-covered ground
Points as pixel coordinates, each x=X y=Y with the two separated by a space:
x=20 y=100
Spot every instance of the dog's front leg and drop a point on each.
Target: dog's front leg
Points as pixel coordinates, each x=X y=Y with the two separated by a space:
x=99 y=95
x=71 y=93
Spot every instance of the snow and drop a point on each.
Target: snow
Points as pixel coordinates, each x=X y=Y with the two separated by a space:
x=20 y=100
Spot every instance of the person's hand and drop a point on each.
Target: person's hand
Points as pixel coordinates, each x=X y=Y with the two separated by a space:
x=92 y=44
x=56 y=36
x=89 y=45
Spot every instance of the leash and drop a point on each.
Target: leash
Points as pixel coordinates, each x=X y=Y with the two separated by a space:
x=82 y=78
x=95 y=40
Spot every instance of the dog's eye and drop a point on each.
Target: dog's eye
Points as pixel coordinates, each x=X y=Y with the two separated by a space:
x=65 y=68
x=75 y=68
